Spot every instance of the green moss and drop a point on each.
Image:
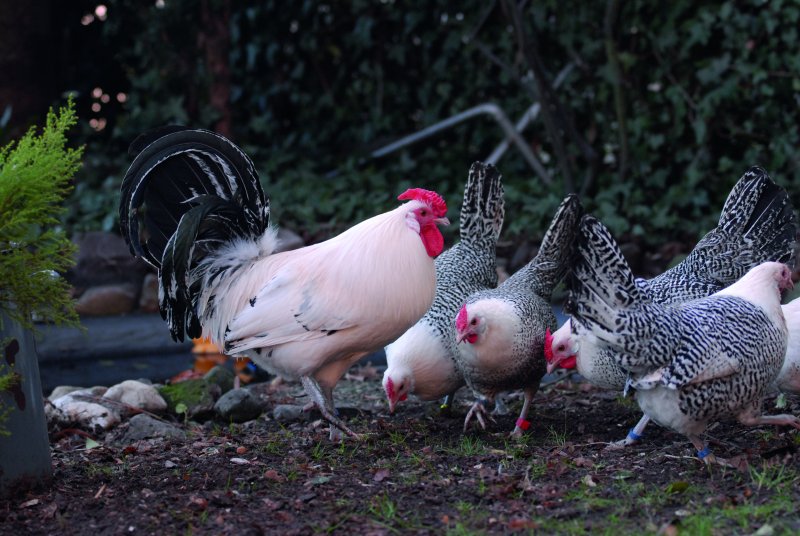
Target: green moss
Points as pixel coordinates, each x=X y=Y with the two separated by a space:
x=191 y=393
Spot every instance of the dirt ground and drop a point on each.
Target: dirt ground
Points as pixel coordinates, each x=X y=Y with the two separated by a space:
x=416 y=473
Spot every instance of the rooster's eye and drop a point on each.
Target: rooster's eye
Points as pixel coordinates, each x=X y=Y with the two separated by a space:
x=423 y=212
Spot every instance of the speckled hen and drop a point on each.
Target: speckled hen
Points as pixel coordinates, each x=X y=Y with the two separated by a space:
x=691 y=363
x=501 y=331
x=307 y=314
x=757 y=224
x=422 y=361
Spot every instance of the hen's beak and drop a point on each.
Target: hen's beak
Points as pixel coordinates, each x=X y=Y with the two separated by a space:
x=392 y=404
x=461 y=336
x=441 y=221
x=551 y=367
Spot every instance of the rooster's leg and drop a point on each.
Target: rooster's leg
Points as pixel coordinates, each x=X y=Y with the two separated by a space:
x=633 y=436
x=323 y=398
x=522 y=423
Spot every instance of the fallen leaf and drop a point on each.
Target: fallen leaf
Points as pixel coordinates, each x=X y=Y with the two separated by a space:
x=169 y=464
x=91 y=443
x=677 y=487
x=241 y=450
x=198 y=503
x=28 y=504
x=240 y=461
x=580 y=461
x=589 y=481
x=380 y=475
x=272 y=474
x=49 y=510
x=522 y=523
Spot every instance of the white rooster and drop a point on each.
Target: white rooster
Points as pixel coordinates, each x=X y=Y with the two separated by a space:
x=423 y=360
x=693 y=363
x=306 y=314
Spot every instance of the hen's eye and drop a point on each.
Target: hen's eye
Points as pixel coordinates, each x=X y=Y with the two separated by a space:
x=474 y=321
x=560 y=348
x=423 y=212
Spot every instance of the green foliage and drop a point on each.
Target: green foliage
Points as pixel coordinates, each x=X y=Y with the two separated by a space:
x=704 y=90
x=35 y=176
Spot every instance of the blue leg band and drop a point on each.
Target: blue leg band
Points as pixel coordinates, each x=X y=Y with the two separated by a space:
x=633 y=436
x=703 y=453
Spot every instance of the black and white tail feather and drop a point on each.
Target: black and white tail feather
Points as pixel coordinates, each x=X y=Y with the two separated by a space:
x=196 y=195
x=606 y=300
x=757 y=224
x=483 y=208
x=557 y=250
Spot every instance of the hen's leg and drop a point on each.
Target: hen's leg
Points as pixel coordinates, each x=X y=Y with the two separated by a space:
x=522 y=423
x=634 y=435
x=779 y=420
x=323 y=398
x=478 y=410
x=704 y=453
x=500 y=407
x=447 y=403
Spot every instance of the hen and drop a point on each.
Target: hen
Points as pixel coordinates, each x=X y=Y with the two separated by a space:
x=503 y=329
x=692 y=363
x=422 y=360
x=757 y=224
x=307 y=314
x=788 y=380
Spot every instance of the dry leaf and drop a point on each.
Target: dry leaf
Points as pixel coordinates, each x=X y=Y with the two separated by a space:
x=380 y=475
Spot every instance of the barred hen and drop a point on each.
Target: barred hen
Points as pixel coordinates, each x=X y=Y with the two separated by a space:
x=692 y=363
x=757 y=224
x=307 y=314
x=502 y=330
x=423 y=360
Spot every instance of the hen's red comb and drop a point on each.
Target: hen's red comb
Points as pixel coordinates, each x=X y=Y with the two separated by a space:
x=390 y=388
x=461 y=319
x=430 y=197
x=548 y=346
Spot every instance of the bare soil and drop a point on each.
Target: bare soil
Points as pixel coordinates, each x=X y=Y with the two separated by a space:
x=417 y=473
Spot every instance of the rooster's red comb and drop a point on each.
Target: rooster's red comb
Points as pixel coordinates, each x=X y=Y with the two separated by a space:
x=430 y=197
x=548 y=346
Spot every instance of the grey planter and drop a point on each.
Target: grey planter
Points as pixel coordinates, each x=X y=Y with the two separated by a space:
x=25 y=454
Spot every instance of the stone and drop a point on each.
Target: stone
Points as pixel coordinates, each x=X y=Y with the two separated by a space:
x=288 y=240
x=104 y=258
x=144 y=426
x=62 y=390
x=197 y=395
x=107 y=300
x=288 y=413
x=148 y=298
x=72 y=409
x=239 y=405
x=221 y=376
x=138 y=395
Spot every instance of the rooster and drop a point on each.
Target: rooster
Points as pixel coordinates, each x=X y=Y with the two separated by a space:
x=501 y=331
x=306 y=314
x=692 y=363
x=423 y=360
x=757 y=224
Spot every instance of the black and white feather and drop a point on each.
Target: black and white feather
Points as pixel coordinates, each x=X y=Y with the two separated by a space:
x=692 y=363
x=193 y=192
x=503 y=329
